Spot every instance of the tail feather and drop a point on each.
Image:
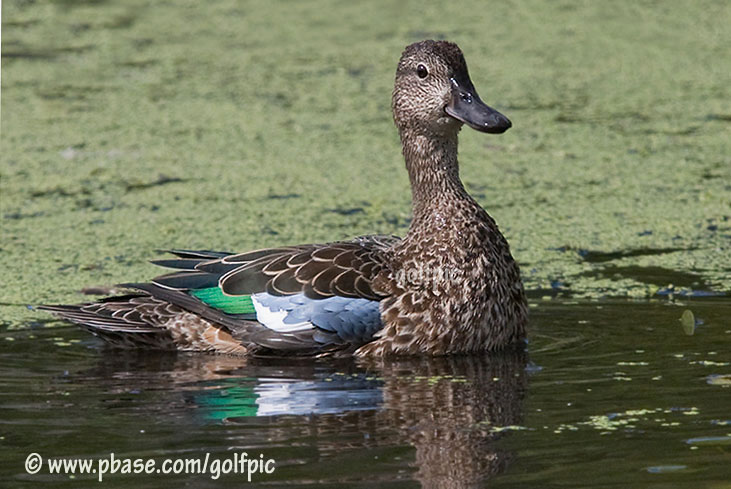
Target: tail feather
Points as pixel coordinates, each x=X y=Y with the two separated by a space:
x=116 y=331
x=163 y=315
x=88 y=315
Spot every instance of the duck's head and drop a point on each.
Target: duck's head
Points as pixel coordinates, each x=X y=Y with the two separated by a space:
x=434 y=95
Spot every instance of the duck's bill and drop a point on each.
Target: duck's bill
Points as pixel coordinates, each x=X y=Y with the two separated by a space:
x=465 y=106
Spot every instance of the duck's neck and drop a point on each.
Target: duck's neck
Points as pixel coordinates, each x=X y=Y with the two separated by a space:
x=434 y=173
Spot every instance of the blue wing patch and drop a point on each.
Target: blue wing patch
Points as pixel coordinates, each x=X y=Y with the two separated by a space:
x=352 y=320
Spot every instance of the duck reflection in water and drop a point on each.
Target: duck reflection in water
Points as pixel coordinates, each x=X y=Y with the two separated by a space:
x=452 y=410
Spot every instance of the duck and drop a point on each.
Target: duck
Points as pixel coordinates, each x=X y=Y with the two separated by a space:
x=450 y=286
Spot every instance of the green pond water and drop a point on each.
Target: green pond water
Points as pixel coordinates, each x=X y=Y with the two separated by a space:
x=129 y=127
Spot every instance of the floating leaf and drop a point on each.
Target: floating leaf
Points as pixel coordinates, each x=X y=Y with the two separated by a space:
x=662 y=469
x=688 y=322
x=722 y=380
x=710 y=440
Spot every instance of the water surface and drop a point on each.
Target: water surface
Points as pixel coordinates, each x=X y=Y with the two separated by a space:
x=609 y=393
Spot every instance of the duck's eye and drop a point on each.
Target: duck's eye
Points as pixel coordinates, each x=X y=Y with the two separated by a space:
x=422 y=71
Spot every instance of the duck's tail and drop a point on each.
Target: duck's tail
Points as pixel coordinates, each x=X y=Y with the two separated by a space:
x=117 y=320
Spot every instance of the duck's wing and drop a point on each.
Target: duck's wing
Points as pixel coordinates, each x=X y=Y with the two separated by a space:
x=319 y=271
x=307 y=298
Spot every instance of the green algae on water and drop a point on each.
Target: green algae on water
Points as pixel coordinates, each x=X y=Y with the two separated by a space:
x=134 y=126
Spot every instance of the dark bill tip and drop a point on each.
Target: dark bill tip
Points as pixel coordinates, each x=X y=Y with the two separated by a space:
x=465 y=106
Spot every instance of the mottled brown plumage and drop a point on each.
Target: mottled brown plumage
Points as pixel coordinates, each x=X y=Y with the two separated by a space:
x=449 y=286
x=481 y=304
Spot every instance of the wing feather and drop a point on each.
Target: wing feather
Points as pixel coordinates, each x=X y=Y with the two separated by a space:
x=346 y=268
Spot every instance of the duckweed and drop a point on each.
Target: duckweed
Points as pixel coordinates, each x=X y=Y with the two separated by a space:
x=147 y=129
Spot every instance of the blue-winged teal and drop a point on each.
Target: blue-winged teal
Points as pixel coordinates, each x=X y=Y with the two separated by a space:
x=449 y=286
